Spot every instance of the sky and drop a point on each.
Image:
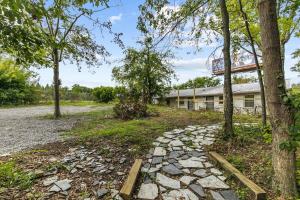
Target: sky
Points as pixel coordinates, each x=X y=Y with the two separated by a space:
x=124 y=18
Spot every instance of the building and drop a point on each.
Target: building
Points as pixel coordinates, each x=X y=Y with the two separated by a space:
x=246 y=98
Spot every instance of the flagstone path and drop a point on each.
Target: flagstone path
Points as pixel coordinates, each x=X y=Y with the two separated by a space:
x=178 y=168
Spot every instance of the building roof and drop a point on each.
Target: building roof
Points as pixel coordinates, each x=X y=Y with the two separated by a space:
x=218 y=90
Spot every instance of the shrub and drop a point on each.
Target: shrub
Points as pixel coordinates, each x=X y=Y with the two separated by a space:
x=16 y=86
x=104 y=94
x=130 y=109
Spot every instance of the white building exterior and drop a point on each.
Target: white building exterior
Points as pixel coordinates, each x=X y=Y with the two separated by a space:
x=246 y=98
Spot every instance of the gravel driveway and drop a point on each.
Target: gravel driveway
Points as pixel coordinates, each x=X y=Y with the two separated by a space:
x=21 y=128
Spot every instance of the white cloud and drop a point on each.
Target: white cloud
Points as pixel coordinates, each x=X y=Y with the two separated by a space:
x=113 y=19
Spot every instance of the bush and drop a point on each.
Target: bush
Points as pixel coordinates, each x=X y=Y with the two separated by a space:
x=16 y=86
x=130 y=109
x=104 y=94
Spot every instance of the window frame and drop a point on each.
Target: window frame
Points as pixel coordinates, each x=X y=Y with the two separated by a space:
x=221 y=100
x=250 y=98
x=181 y=102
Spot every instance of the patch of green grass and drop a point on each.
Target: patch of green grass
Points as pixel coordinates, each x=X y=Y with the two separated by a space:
x=237 y=161
x=11 y=176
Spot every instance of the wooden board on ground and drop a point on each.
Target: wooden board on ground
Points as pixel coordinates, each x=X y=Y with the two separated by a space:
x=260 y=194
x=128 y=187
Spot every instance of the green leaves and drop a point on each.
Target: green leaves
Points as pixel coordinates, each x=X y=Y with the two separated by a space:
x=199 y=82
x=145 y=71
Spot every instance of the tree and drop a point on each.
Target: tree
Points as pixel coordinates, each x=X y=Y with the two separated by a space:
x=147 y=71
x=20 y=37
x=228 y=97
x=104 y=94
x=199 y=82
x=16 y=85
x=296 y=55
x=288 y=22
x=70 y=40
x=243 y=79
x=258 y=67
x=197 y=18
x=282 y=116
x=63 y=37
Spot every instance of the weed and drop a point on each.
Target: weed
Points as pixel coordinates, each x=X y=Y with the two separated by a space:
x=237 y=161
x=11 y=176
x=242 y=193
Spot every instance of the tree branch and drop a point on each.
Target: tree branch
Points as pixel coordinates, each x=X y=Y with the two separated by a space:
x=178 y=23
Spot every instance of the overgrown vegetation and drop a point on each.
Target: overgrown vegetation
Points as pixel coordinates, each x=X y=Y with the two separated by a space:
x=250 y=152
x=11 y=176
x=17 y=86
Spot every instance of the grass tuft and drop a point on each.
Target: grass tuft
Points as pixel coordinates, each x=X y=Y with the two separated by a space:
x=11 y=176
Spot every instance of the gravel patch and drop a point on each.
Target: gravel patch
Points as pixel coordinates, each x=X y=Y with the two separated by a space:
x=20 y=128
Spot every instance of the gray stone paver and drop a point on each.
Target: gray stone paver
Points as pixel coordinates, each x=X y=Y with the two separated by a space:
x=179 y=167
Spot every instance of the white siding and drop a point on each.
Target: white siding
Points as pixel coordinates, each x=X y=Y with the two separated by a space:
x=238 y=103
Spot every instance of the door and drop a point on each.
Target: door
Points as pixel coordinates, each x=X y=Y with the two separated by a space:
x=210 y=103
x=190 y=105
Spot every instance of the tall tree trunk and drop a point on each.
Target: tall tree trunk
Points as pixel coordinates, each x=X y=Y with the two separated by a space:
x=56 y=83
x=228 y=99
x=258 y=68
x=281 y=115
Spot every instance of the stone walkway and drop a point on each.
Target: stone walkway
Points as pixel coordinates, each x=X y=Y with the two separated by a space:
x=178 y=168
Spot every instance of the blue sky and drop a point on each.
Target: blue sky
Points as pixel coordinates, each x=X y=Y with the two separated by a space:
x=124 y=18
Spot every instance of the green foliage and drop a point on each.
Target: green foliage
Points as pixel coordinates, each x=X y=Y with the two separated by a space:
x=200 y=82
x=11 y=176
x=251 y=133
x=104 y=94
x=16 y=86
x=237 y=161
x=296 y=55
x=292 y=99
x=243 y=79
x=267 y=134
x=20 y=36
x=146 y=72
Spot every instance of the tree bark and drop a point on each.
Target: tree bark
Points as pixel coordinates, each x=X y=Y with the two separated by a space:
x=281 y=115
x=56 y=83
x=228 y=99
x=258 y=68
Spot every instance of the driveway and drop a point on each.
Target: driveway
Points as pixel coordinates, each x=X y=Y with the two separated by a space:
x=21 y=128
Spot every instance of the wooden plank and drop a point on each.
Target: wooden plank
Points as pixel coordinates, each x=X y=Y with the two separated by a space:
x=260 y=194
x=128 y=187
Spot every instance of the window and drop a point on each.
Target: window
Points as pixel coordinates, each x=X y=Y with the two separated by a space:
x=220 y=99
x=210 y=103
x=181 y=103
x=249 y=101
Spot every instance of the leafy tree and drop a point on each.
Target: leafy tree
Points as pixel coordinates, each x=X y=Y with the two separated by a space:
x=16 y=85
x=288 y=23
x=70 y=40
x=64 y=38
x=199 y=82
x=104 y=94
x=282 y=114
x=146 y=71
x=243 y=79
x=20 y=37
